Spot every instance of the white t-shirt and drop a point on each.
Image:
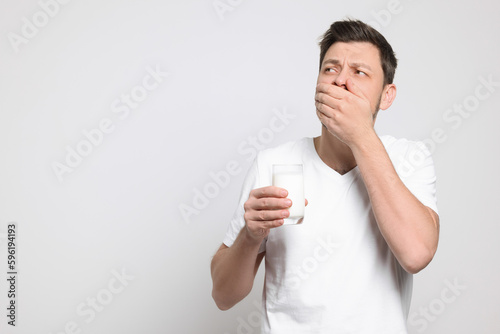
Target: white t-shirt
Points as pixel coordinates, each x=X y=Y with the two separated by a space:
x=334 y=273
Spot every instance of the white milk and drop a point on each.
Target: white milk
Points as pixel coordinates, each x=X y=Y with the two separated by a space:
x=293 y=182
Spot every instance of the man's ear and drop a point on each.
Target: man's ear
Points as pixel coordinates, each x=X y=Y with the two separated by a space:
x=388 y=96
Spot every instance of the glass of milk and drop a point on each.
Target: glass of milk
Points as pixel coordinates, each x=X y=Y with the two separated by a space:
x=291 y=178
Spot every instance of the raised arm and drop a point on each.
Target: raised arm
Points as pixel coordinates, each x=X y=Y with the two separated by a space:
x=410 y=229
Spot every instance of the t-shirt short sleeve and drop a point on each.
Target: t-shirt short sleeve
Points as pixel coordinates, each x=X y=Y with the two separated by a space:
x=238 y=221
x=415 y=167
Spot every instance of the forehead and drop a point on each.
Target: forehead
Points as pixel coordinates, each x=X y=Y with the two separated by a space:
x=363 y=52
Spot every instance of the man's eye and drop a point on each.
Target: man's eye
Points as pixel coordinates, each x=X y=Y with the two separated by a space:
x=330 y=69
x=361 y=73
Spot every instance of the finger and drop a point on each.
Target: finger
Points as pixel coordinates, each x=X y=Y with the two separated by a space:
x=270 y=191
x=262 y=226
x=274 y=223
x=270 y=203
x=322 y=118
x=307 y=202
x=266 y=215
x=328 y=100
x=325 y=110
x=331 y=90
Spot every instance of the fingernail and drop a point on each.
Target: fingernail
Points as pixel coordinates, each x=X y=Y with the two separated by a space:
x=288 y=202
x=284 y=193
x=284 y=213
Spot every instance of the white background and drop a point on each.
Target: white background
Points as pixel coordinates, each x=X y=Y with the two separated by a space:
x=228 y=73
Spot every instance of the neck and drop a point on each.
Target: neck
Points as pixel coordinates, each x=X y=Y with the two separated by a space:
x=334 y=153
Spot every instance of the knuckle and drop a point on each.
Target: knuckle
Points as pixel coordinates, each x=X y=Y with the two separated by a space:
x=265 y=203
x=267 y=191
x=251 y=226
x=262 y=215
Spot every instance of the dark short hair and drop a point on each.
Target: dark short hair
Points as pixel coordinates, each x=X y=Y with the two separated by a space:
x=358 y=31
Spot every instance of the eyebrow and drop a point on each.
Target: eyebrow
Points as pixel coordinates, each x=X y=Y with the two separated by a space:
x=334 y=61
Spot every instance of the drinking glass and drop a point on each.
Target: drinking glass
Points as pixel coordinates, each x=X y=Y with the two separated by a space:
x=291 y=178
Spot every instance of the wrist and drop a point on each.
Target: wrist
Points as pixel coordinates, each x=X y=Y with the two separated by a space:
x=365 y=144
x=249 y=239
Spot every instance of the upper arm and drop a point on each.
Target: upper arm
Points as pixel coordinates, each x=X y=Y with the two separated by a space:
x=415 y=167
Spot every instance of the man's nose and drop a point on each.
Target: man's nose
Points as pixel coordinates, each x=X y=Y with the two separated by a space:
x=341 y=79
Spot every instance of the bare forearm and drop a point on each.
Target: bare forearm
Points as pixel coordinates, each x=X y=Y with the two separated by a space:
x=408 y=226
x=233 y=271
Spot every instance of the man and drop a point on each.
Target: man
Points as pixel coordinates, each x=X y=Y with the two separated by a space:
x=368 y=224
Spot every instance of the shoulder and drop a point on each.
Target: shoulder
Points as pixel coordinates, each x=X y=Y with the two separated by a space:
x=393 y=143
x=403 y=146
x=410 y=158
